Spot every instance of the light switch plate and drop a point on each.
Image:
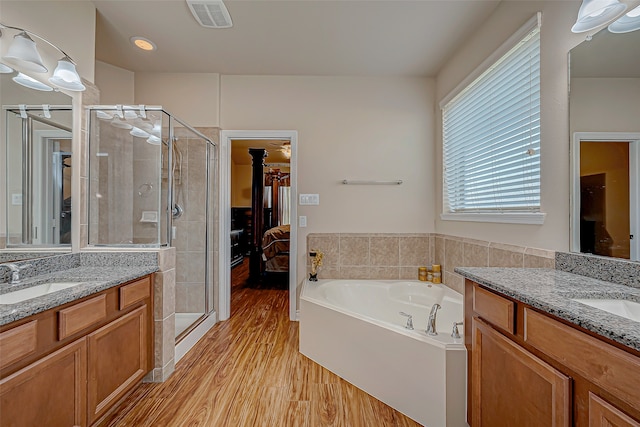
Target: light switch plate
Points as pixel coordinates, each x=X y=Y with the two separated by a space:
x=309 y=199
x=16 y=199
x=302 y=221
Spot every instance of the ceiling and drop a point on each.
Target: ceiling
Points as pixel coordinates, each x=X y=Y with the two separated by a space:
x=240 y=151
x=294 y=37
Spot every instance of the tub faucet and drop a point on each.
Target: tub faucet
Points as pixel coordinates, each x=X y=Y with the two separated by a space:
x=431 y=323
x=454 y=332
x=15 y=272
x=409 y=317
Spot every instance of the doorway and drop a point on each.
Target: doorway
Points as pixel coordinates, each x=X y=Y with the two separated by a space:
x=606 y=195
x=274 y=140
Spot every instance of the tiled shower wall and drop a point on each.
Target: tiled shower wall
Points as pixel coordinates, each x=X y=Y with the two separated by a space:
x=398 y=256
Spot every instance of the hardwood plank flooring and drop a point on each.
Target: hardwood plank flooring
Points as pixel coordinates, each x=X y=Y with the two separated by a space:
x=247 y=371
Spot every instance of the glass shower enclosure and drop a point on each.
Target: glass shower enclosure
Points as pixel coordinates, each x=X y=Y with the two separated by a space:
x=149 y=179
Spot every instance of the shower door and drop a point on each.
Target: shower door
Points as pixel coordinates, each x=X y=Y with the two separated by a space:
x=190 y=195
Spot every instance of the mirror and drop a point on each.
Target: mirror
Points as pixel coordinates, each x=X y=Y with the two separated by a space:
x=604 y=121
x=36 y=143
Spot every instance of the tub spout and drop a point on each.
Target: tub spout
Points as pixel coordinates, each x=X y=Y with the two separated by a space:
x=431 y=323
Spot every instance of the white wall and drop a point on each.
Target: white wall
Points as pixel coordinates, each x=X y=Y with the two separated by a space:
x=605 y=104
x=556 y=41
x=348 y=127
x=116 y=84
x=192 y=97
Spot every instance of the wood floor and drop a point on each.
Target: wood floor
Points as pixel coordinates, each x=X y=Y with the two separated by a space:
x=247 y=371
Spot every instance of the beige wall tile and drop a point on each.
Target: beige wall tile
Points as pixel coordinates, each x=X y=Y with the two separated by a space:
x=384 y=251
x=439 y=257
x=475 y=255
x=408 y=273
x=355 y=272
x=354 y=250
x=505 y=255
x=539 y=258
x=384 y=273
x=167 y=258
x=329 y=244
x=327 y=273
x=454 y=281
x=453 y=254
x=414 y=250
x=164 y=294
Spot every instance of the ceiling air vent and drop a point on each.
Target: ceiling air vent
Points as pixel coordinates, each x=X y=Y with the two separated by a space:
x=210 y=13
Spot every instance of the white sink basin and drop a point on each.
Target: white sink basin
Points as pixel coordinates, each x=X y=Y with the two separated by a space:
x=619 y=307
x=35 y=291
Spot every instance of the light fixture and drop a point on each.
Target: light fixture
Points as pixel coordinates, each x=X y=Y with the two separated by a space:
x=594 y=13
x=286 y=150
x=5 y=69
x=627 y=23
x=23 y=52
x=142 y=43
x=139 y=133
x=31 y=83
x=154 y=140
x=65 y=76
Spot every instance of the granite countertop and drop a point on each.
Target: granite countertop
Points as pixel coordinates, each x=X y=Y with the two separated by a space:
x=551 y=291
x=95 y=279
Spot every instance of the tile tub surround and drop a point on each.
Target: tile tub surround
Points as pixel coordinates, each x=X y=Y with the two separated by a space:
x=398 y=256
x=551 y=291
x=371 y=256
x=615 y=270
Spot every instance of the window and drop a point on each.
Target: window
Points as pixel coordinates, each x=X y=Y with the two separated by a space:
x=491 y=138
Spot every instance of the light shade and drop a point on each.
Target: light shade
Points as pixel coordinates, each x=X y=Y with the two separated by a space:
x=23 y=52
x=5 y=69
x=65 y=76
x=627 y=23
x=31 y=83
x=594 y=13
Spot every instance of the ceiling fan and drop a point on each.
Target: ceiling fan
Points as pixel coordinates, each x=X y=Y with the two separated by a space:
x=283 y=146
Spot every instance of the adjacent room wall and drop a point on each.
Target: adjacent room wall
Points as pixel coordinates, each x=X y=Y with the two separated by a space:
x=348 y=127
x=556 y=41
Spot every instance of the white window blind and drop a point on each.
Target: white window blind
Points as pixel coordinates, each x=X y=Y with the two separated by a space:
x=491 y=136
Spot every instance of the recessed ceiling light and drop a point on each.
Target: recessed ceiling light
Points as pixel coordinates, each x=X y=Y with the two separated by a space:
x=142 y=43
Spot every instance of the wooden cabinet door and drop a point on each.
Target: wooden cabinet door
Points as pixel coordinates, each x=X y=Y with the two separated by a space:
x=512 y=387
x=604 y=414
x=50 y=392
x=117 y=355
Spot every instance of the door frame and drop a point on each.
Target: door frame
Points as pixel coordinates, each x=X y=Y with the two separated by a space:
x=633 y=138
x=224 y=225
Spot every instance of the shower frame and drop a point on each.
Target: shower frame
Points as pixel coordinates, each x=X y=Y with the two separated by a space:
x=209 y=307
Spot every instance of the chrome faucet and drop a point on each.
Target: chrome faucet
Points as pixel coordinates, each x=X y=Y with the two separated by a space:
x=455 y=333
x=431 y=323
x=409 y=317
x=15 y=272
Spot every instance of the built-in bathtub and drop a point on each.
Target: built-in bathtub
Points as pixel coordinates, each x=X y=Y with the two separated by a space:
x=354 y=329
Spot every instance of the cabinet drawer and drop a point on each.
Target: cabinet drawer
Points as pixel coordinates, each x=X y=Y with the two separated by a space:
x=497 y=310
x=134 y=292
x=607 y=366
x=603 y=414
x=77 y=317
x=18 y=342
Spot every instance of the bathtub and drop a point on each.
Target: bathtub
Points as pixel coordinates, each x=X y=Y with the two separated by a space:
x=354 y=329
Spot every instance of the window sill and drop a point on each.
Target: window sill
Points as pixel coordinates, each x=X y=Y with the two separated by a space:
x=532 y=218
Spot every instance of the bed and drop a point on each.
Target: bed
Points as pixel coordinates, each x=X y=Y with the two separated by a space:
x=275 y=249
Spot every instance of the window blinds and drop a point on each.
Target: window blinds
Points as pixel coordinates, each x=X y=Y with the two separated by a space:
x=491 y=136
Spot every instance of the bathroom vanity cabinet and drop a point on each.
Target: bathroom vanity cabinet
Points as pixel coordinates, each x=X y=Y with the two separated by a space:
x=69 y=365
x=529 y=368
